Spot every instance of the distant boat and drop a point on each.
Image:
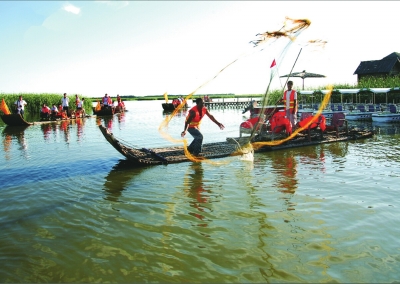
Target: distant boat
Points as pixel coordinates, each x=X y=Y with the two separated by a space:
x=390 y=115
x=105 y=111
x=171 y=106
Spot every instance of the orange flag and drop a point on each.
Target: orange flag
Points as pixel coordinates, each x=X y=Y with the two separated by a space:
x=98 y=106
x=166 y=97
x=4 y=107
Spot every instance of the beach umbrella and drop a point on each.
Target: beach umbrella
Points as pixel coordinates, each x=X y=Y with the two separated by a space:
x=303 y=75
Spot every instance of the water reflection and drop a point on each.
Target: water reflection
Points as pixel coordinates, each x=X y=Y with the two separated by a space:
x=17 y=133
x=386 y=128
x=194 y=188
x=121 y=118
x=180 y=113
x=46 y=129
x=64 y=127
x=80 y=122
x=118 y=179
x=285 y=164
x=107 y=121
x=314 y=157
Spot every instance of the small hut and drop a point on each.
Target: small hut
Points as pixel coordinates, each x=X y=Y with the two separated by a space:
x=387 y=66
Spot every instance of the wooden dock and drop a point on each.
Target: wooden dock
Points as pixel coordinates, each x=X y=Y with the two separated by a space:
x=229 y=103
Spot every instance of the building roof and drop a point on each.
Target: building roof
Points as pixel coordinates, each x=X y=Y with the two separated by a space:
x=385 y=65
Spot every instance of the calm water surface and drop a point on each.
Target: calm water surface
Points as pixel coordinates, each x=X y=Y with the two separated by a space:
x=73 y=210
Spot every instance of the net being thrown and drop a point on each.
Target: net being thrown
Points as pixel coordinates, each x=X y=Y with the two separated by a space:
x=290 y=30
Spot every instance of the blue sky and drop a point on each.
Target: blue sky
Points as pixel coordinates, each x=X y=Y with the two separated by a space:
x=150 y=47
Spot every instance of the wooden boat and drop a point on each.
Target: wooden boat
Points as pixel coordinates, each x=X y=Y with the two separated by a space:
x=15 y=119
x=108 y=111
x=169 y=155
x=104 y=111
x=171 y=106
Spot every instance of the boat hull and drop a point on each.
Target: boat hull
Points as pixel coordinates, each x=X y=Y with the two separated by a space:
x=230 y=147
x=15 y=119
x=386 y=117
x=170 y=106
x=359 y=116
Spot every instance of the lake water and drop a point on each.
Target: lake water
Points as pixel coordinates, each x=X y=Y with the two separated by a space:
x=73 y=210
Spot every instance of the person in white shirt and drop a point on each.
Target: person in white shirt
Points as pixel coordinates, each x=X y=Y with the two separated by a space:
x=54 y=111
x=65 y=102
x=20 y=106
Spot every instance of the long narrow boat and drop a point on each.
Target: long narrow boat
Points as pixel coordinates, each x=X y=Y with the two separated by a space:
x=169 y=155
x=108 y=111
x=17 y=120
x=171 y=106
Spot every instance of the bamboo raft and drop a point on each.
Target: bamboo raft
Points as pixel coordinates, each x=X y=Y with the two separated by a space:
x=169 y=155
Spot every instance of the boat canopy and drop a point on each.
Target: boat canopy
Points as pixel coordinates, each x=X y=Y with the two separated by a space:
x=306 y=92
x=380 y=90
x=348 y=91
x=351 y=91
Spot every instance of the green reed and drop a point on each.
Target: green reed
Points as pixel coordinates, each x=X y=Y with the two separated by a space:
x=35 y=101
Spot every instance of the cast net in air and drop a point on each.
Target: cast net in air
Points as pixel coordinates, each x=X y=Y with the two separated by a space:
x=289 y=32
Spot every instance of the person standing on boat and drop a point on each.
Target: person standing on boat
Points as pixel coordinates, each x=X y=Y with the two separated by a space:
x=78 y=102
x=79 y=107
x=120 y=103
x=20 y=106
x=192 y=125
x=289 y=100
x=65 y=103
x=105 y=101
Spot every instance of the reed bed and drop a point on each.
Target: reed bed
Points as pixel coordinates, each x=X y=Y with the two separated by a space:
x=35 y=101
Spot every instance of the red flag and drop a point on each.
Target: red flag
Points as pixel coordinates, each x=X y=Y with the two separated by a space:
x=273 y=64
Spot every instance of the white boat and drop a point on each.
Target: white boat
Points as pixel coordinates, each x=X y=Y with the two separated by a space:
x=329 y=113
x=390 y=115
x=359 y=114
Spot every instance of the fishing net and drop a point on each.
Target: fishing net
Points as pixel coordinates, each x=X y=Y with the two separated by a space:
x=291 y=29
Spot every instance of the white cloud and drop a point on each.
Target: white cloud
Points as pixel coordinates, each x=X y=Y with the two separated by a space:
x=72 y=9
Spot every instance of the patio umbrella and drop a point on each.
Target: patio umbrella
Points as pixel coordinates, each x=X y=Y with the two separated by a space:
x=304 y=75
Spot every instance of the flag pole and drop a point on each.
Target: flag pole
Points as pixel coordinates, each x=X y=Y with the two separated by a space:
x=293 y=67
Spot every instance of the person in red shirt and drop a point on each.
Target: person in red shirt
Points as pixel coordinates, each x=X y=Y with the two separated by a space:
x=192 y=125
x=45 y=112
